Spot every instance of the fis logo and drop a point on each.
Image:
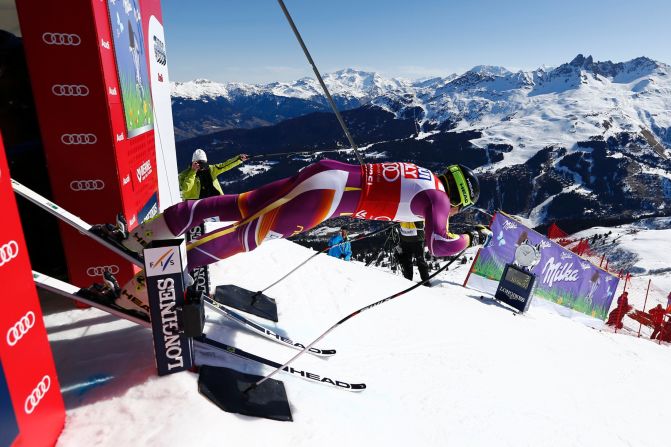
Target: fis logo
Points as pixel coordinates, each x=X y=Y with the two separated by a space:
x=166 y=260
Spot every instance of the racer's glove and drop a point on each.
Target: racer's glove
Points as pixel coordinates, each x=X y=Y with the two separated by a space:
x=480 y=235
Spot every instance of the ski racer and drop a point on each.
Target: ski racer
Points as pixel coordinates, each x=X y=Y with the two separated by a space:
x=390 y=191
x=411 y=246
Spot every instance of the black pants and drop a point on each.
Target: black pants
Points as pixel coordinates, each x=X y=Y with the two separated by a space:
x=410 y=250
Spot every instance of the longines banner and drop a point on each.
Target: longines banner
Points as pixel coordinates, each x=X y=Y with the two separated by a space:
x=92 y=67
x=562 y=276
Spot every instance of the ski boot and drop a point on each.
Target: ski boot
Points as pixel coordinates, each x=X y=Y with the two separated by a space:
x=112 y=232
x=141 y=236
x=116 y=234
x=105 y=293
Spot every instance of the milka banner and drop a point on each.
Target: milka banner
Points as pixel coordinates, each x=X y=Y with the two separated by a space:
x=561 y=276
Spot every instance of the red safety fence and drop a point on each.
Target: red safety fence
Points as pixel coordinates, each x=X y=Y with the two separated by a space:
x=646 y=309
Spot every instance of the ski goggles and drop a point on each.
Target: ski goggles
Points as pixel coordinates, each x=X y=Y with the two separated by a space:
x=465 y=200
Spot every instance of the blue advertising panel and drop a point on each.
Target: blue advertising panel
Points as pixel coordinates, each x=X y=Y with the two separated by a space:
x=9 y=429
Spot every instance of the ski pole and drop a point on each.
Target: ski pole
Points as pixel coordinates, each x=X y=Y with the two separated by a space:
x=272 y=154
x=353 y=314
x=321 y=81
x=358 y=238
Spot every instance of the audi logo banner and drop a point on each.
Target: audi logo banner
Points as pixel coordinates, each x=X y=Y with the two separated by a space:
x=65 y=61
x=61 y=39
x=8 y=252
x=36 y=396
x=78 y=138
x=87 y=185
x=69 y=90
x=20 y=328
x=100 y=270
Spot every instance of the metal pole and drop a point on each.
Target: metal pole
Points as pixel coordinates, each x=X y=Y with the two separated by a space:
x=321 y=81
x=358 y=238
x=640 y=325
x=275 y=154
x=357 y=312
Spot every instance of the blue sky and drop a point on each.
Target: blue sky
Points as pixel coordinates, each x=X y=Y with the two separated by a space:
x=250 y=40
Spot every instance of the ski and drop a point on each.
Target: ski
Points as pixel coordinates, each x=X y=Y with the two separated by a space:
x=72 y=292
x=77 y=223
x=303 y=374
x=261 y=330
x=86 y=229
x=67 y=290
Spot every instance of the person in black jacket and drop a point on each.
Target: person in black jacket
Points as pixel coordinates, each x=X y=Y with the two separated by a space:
x=411 y=246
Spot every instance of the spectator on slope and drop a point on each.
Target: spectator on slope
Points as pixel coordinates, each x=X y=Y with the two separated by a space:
x=411 y=247
x=665 y=333
x=657 y=317
x=200 y=180
x=340 y=246
x=616 y=315
x=401 y=192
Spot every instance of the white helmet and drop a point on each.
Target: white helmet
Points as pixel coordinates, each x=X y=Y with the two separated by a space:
x=199 y=155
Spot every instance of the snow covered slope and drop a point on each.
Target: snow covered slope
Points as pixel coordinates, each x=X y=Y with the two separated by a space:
x=442 y=367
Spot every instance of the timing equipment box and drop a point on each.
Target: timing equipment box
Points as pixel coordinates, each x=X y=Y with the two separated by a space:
x=516 y=287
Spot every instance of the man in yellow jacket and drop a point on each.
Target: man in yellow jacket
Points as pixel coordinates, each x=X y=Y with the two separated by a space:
x=200 y=179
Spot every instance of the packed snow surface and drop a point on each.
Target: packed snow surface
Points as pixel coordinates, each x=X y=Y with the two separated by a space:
x=442 y=366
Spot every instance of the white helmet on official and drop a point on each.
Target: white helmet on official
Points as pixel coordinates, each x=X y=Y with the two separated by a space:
x=199 y=155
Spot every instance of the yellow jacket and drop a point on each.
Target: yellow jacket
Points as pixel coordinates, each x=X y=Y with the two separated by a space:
x=189 y=183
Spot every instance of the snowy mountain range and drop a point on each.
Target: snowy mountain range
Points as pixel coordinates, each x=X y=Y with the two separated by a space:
x=584 y=141
x=203 y=106
x=571 y=102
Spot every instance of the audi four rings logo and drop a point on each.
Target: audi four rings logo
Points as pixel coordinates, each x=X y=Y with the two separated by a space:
x=87 y=185
x=20 y=328
x=61 y=39
x=69 y=90
x=8 y=251
x=99 y=270
x=78 y=138
x=34 y=398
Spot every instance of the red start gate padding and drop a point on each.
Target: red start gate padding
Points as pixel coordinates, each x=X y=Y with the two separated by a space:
x=31 y=407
